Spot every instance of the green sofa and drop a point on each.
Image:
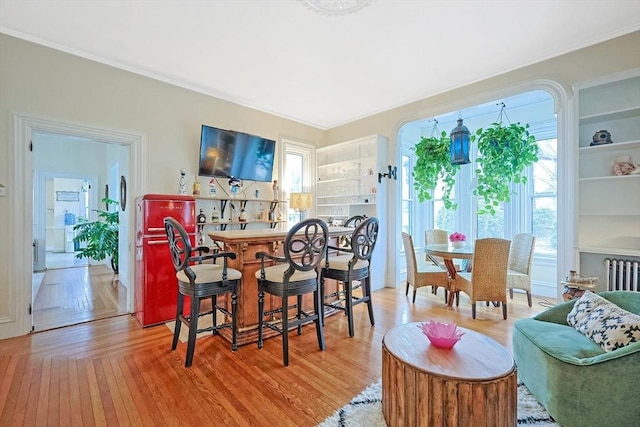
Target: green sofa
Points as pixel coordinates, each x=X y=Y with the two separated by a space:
x=573 y=377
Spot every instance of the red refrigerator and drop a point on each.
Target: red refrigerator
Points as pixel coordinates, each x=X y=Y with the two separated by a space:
x=156 y=288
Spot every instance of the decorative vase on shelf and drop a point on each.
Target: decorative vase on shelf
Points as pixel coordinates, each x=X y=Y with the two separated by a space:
x=457 y=245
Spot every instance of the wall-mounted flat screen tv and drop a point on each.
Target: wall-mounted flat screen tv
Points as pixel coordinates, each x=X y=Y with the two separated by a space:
x=235 y=154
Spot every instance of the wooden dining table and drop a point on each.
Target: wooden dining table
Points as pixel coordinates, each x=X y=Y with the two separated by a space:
x=448 y=253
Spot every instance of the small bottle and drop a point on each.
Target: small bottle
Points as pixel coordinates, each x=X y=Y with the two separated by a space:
x=182 y=185
x=243 y=215
x=215 y=215
x=279 y=216
x=261 y=213
x=212 y=188
x=196 y=187
x=272 y=215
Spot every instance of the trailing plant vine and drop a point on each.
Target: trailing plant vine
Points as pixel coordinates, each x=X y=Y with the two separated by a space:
x=433 y=162
x=504 y=153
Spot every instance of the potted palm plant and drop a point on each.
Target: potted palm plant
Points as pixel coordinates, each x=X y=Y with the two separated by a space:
x=101 y=236
x=433 y=162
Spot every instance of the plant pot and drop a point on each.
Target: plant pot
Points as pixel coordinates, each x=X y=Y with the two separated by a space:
x=457 y=245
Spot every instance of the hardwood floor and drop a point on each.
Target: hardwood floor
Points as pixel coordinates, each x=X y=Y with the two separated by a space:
x=74 y=295
x=114 y=372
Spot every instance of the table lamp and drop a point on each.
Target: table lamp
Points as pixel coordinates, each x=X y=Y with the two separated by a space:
x=301 y=202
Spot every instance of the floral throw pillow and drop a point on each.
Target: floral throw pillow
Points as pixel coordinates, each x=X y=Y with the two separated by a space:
x=608 y=325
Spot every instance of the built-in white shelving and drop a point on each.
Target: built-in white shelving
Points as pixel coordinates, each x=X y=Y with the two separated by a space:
x=608 y=205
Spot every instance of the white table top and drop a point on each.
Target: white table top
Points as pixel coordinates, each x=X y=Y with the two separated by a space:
x=448 y=251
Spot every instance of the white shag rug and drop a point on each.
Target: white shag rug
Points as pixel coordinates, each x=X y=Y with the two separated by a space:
x=366 y=410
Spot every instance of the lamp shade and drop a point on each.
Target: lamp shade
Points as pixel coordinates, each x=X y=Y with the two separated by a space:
x=301 y=201
x=459 y=148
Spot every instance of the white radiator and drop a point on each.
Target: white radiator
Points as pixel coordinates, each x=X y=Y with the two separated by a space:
x=622 y=275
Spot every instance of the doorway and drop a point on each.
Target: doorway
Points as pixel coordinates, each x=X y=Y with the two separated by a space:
x=68 y=172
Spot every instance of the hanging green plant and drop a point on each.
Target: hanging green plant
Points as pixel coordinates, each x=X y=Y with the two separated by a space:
x=504 y=153
x=433 y=162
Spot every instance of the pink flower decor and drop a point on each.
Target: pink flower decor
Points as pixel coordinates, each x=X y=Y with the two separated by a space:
x=442 y=335
x=457 y=237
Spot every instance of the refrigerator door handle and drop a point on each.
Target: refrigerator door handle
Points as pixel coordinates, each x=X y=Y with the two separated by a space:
x=158 y=242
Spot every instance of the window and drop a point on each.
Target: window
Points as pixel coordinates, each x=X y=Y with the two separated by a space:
x=407 y=192
x=543 y=200
x=532 y=207
x=297 y=174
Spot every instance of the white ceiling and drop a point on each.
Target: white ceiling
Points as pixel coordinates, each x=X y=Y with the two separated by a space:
x=281 y=57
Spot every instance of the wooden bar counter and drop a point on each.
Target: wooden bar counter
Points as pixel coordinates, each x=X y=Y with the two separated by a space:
x=473 y=383
x=245 y=244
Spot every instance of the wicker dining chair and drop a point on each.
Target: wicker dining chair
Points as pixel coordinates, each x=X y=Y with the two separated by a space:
x=423 y=274
x=435 y=237
x=488 y=280
x=520 y=263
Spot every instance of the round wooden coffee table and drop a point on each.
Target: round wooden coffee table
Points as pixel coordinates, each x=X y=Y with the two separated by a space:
x=423 y=385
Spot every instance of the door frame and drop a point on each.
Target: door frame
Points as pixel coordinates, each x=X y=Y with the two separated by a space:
x=19 y=321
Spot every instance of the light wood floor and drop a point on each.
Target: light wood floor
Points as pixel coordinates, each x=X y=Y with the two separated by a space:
x=113 y=372
x=68 y=296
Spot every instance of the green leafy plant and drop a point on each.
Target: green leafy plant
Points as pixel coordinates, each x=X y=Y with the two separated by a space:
x=101 y=236
x=433 y=162
x=504 y=153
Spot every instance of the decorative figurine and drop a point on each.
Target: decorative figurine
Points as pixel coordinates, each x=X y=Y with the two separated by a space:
x=275 y=189
x=243 y=215
x=196 y=187
x=234 y=186
x=202 y=218
x=212 y=187
x=256 y=194
x=182 y=184
x=623 y=165
x=601 y=137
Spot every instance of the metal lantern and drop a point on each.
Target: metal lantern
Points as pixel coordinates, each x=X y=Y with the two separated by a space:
x=459 y=148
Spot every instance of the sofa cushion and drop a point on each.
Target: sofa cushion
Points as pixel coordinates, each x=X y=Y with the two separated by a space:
x=608 y=325
x=560 y=341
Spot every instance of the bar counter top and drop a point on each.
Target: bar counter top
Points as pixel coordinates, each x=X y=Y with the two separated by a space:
x=265 y=234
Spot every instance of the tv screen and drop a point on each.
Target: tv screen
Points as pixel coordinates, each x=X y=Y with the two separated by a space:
x=240 y=155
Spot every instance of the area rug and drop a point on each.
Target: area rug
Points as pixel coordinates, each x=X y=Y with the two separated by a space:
x=366 y=410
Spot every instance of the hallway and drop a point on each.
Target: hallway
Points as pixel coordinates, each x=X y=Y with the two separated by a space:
x=69 y=296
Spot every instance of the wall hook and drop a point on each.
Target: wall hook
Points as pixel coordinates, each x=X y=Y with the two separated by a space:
x=393 y=173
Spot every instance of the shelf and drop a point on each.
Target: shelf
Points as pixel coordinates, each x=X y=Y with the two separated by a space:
x=358 y=161
x=610 y=115
x=347 y=178
x=336 y=196
x=237 y=199
x=609 y=251
x=617 y=214
x=611 y=177
x=597 y=149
